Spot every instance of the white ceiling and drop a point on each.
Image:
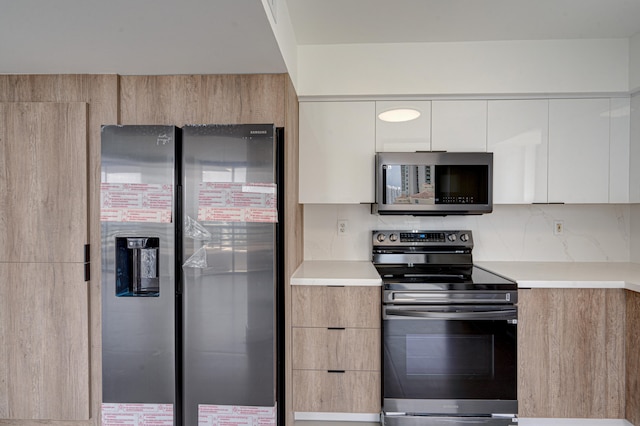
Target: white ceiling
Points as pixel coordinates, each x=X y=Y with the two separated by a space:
x=137 y=37
x=398 y=21
x=234 y=36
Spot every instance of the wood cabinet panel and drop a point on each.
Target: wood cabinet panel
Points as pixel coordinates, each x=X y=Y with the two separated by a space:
x=632 y=358
x=44 y=330
x=350 y=391
x=203 y=99
x=293 y=230
x=336 y=349
x=100 y=92
x=43 y=186
x=571 y=353
x=322 y=306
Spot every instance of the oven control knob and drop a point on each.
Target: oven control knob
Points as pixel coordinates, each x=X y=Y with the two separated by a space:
x=393 y=237
x=464 y=238
x=380 y=238
x=451 y=237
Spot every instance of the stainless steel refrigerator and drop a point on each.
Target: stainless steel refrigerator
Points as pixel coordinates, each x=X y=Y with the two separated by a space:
x=191 y=274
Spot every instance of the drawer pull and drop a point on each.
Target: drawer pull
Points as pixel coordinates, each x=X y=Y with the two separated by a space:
x=335 y=371
x=336 y=328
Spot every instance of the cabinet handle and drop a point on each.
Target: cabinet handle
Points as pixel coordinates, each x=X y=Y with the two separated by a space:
x=87 y=262
x=336 y=328
x=335 y=371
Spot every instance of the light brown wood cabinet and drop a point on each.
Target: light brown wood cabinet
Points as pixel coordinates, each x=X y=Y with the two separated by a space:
x=571 y=353
x=44 y=312
x=336 y=349
x=632 y=406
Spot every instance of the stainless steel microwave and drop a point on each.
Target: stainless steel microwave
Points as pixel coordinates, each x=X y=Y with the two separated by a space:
x=433 y=183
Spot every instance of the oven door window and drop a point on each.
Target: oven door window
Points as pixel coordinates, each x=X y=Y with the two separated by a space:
x=449 y=359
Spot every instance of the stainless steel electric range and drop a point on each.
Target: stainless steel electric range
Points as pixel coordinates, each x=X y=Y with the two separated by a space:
x=449 y=332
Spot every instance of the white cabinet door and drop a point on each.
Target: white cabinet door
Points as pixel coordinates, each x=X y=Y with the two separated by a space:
x=517 y=134
x=619 y=150
x=459 y=126
x=405 y=136
x=634 y=168
x=579 y=150
x=337 y=152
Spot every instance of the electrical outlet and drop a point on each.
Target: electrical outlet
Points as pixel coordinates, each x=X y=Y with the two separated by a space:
x=558 y=227
x=342 y=227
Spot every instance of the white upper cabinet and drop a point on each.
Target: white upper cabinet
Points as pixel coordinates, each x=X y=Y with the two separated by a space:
x=337 y=152
x=459 y=126
x=634 y=169
x=517 y=134
x=619 y=149
x=575 y=151
x=579 y=151
x=404 y=136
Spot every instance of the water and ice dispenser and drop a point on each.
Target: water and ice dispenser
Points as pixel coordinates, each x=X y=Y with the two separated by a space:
x=137 y=266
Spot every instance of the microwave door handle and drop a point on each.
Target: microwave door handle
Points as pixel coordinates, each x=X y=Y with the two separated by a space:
x=384 y=185
x=509 y=314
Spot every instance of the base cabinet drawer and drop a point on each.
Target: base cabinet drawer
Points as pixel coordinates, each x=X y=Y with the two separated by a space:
x=325 y=306
x=343 y=391
x=336 y=349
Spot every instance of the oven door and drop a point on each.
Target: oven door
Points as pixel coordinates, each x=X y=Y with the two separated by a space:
x=450 y=359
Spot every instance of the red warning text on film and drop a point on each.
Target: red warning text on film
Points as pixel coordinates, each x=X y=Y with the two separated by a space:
x=136 y=202
x=237 y=202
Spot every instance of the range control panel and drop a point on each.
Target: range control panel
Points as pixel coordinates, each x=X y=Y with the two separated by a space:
x=422 y=238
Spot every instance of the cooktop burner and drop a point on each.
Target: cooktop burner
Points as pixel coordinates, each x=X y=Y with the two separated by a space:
x=432 y=261
x=477 y=279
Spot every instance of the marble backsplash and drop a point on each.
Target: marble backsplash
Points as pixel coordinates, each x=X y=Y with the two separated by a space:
x=592 y=233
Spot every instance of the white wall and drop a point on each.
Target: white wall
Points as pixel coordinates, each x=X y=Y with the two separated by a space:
x=634 y=63
x=280 y=21
x=595 y=233
x=500 y=67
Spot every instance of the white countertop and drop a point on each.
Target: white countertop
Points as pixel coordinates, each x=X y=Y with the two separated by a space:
x=569 y=274
x=336 y=272
x=527 y=274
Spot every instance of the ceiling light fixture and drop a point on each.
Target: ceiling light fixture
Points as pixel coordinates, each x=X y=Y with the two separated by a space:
x=399 y=115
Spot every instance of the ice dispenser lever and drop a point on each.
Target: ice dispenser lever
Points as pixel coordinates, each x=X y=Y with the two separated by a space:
x=137 y=266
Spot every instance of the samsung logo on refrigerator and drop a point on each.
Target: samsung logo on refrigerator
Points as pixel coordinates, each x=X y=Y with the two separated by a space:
x=258 y=132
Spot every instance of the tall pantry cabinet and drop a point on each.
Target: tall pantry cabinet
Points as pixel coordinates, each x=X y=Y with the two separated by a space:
x=49 y=314
x=43 y=296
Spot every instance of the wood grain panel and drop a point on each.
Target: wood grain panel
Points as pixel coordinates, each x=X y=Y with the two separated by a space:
x=351 y=306
x=45 y=335
x=633 y=357
x=203 y=99
x=348 y=392
x=571 y=353
x=293 y=228
x=100 y=92
x=43 y=184
x=336 y=349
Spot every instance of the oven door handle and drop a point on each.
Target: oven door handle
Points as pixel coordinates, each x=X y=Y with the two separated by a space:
x=499 y=315
x=434 y=297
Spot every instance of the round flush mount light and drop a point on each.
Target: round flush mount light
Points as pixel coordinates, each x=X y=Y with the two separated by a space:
x=399 y=115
